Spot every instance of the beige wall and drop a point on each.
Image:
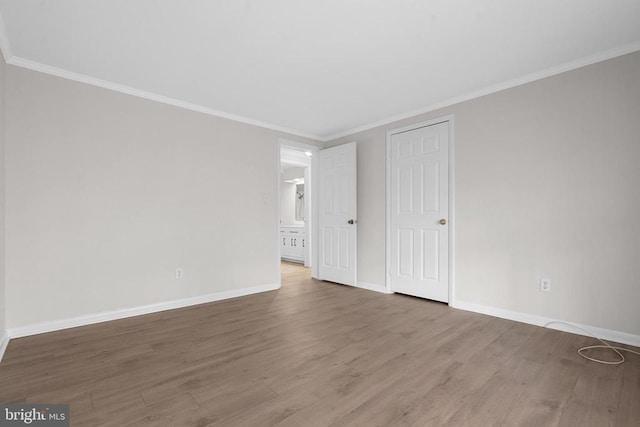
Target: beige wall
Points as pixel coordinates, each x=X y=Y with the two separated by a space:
x=3 y=300
x=107 y=194
x=546 y=182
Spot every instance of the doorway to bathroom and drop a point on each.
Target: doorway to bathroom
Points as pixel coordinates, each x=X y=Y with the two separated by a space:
x=296 y=211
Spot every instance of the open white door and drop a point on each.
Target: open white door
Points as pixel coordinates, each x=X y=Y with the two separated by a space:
x=419 y=212
x=337 y=214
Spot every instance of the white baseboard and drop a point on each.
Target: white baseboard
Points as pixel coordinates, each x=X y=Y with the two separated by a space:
x=606 y=334
x=372 y=287
x=73 y=322
x=4 y=342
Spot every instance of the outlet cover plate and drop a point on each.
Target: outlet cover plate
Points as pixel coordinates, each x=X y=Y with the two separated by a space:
x=545 y=284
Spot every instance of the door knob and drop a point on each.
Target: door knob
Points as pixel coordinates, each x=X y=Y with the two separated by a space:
x=443 y=221
x=352 y=221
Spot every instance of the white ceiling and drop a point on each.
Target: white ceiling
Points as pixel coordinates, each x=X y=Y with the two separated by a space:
x=320 y=68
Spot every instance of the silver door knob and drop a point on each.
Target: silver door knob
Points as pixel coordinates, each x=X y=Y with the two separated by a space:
x=443 y=221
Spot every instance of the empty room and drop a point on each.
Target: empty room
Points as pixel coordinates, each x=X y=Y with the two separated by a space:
x=297 y=213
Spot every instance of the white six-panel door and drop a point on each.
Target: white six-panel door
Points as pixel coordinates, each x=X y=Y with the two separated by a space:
x=419 y=212
x=337 y=214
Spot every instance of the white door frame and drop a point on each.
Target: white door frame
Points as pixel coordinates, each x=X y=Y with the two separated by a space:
x=310 y=189
x=452 y=222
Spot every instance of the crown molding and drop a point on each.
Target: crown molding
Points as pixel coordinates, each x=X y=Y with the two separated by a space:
x=4 y=41
x=128 y=90
x=17 y=61
x=66 y=74
x=558 y=69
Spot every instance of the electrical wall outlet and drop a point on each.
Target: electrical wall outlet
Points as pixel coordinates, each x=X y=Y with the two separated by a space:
x=179 y=273
x=545 y=284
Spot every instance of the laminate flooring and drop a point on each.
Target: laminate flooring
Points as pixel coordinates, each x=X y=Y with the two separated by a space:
x=319 y=354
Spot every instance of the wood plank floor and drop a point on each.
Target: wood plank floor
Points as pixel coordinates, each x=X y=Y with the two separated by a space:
x=319 y=354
